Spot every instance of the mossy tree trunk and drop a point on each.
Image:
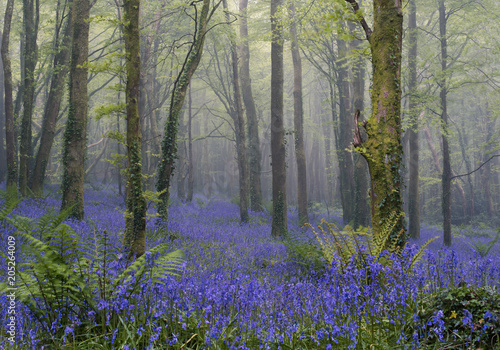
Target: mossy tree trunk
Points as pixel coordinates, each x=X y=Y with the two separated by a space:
x=169 y=143
x=10 y=147
x=30 y=52
x=3 y=155
x=413 y=188
x=298 y=120
x=254 y=156
x=56 y=92
x=278 y=149
x=382 y=148
x=75 y=135
x=361 y=202
x=134 y=241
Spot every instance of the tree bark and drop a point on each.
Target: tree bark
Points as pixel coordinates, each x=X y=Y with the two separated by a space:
x=298 y=121
x=9 y=105
x=169 y=145
x=413 y=186
x=254 y=156
x=75 y=134
x=346 y=165
x=361 y=201
x=446 y=181
x=134 y=241
x=278 y=149
x=382 y=149
x=3 y=154
x=239 y=130
x=30 y=52
x=189 y=197
x=60 y=69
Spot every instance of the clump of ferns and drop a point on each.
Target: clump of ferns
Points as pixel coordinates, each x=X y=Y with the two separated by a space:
x=66 y=282
x=363 y=246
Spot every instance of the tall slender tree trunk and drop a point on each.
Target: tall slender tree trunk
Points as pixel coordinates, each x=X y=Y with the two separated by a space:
x=414 y=194
x=60 y=68
x=134 y=241
x=382 y=148
x=169 y=144
x=254 y=156
x=30 y=22
x=298 y=121
x=346 y=165
x=189 y=197
x=239 y=130
x=75 y=135
x=446 y=181
x=278 y=150
x=3 y=154
x=10 y=145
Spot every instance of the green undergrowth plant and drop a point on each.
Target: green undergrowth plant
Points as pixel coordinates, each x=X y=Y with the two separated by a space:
x=465 y=317
x=303 y=250
x=349 y=244
x=483 y=248
x=65 y=281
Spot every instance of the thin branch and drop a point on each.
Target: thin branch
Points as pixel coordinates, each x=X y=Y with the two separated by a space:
x=494 y=156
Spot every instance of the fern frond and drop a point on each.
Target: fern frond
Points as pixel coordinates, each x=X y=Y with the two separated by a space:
x=169 y=263
x=11 y=201
x=416 y=258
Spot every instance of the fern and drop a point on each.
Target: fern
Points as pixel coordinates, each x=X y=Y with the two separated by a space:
x=359 y=245
x=484 y=248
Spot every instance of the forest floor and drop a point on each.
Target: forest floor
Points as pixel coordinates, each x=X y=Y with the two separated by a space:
x=236 y=287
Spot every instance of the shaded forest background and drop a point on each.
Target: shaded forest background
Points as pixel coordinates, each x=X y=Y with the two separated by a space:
x=449 y=85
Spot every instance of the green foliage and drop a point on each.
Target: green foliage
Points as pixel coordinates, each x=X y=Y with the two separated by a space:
x=470 y=316
x=483 y=248
x=304 y=251
x=64 y=277
x=349 y=244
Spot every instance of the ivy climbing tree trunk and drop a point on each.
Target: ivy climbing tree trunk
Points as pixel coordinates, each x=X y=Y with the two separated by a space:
x=169 y=144
x=361 y=202
x=414 y=197
x=134 y=241
x=298 y=121
x=10 y=146
x=278 y=150
x=60 y=67
x=75 y=135
x=382 y=149
x=30 y=22
x=254 y=156
x=3 y=155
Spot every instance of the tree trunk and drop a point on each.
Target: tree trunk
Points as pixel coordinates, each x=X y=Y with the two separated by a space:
x=75 y=134
x=134 y=241
x=60 y=68
x=189 y=197
x=361 y=202
x=298 y=121
x=278 y=150
x=346 y=165
x=3 y=154
x=382 y=149
x=239 y=130
x=414 y=195
x=181 y=157
x=446 y=181
x=169 y=144
x=254 y=157
x=30 y=22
